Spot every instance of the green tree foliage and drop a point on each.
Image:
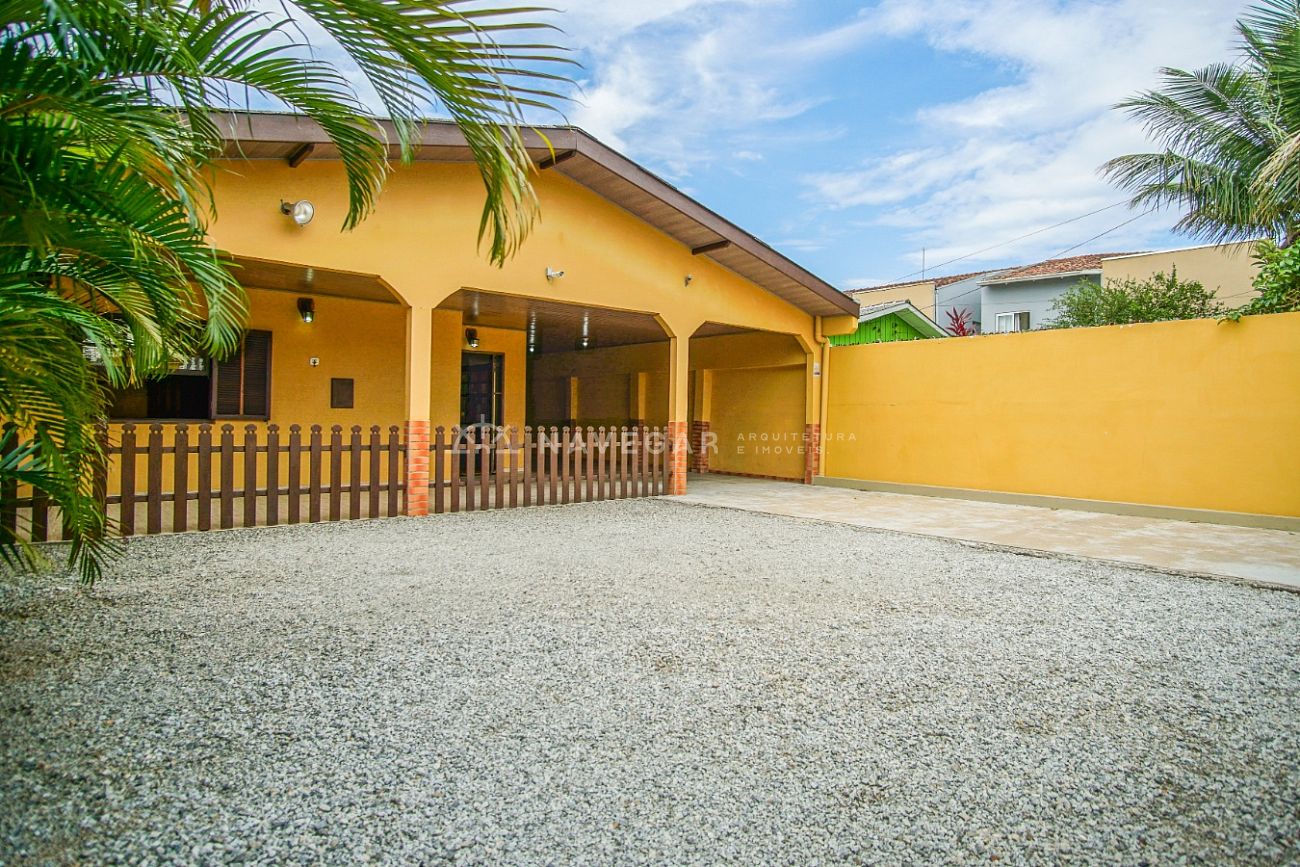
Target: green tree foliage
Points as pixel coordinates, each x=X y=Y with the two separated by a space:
x=1123 y=302
x=109 y=118
x=1278 y=281
x=1231 y=137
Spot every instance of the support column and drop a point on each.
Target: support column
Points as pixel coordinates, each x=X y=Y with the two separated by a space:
x=812 y=452
x=419 y=376
x=679 y=392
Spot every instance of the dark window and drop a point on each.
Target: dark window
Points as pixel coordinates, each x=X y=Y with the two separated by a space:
x=241 y=384
x=341 y=393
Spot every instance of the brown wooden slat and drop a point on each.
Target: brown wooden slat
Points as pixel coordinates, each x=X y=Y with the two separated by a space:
x=295 y=473
x=272 y=475
x=394 y=470
x=620 y=466
x=99 y=474
x=250 y=475
x=485 y=467
x=153 y=510
x=204 y=478
x=376 y=457
x=499 y=468
x=9 y=487
x=181 y=479
x=553 y=470
x=566 y=455
x=439 y=469
x=227 y=489
x=126 y=517
x=40 y=516
x=470 y=445
x=336 y=472
x=313 y=475
x=354 y=474
x=453 y=489
x=589 y=490
x=527 y=458
x=645 y=462
x=601 y=452
x=514 y=467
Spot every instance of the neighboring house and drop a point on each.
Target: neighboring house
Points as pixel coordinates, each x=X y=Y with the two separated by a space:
x=920 y=293
x=1228 y=269
x=961 y=293
x=890 y=321
x=933 y=297
x=1021 y=299
x=629 y=303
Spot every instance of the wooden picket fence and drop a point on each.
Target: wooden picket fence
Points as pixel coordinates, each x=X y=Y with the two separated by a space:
x=180 y=477
x=484 y=467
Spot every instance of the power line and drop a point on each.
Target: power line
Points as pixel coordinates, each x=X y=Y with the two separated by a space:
x=1011 y=241
x=933 y=306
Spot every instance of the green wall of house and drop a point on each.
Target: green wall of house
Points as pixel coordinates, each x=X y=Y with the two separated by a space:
x=886 y=329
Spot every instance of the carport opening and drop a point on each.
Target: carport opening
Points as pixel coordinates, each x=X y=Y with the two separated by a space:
x=749 y=399
x=582 y=365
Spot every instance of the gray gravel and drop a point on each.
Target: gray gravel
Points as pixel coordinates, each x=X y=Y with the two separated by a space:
x=636 y=682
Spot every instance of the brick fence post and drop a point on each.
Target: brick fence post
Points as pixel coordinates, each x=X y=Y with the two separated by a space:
x=699 y=461
x=680 y=445
x=812 y=452
x=417 y=468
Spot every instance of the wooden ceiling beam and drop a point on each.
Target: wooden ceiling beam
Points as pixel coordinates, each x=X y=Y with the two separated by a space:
x=709 y=248
x=300 y=153
x=556 y=159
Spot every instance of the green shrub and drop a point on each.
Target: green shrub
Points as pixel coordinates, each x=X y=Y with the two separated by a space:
x=1121 y=302
x=1278 y=281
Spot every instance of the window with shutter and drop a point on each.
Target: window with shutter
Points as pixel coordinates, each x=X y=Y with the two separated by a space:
x=241 y=385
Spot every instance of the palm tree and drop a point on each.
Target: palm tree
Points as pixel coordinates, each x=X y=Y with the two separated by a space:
x=1231 y=137
x=107 y=123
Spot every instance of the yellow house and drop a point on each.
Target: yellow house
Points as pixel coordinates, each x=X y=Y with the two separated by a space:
x=628 y=303
x=1229 y=270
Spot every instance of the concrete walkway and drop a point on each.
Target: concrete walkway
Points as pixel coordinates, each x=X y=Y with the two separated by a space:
x=1269 y=557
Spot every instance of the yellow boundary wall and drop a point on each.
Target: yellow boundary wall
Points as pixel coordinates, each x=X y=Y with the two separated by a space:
x=1186 y=415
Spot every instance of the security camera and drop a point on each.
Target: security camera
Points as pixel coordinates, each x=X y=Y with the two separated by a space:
x=552 y=274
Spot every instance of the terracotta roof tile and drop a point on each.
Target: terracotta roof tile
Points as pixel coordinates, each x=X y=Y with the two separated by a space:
x=1090 y=262
x=938 y=281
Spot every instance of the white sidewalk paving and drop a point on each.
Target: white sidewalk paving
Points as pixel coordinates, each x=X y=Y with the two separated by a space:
x=1270 y=557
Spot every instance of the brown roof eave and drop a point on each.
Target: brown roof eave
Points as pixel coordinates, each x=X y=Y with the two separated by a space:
x=822 y=298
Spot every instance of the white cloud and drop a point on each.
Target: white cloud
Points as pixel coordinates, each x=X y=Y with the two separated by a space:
x=675 y=82
x=1019 y=157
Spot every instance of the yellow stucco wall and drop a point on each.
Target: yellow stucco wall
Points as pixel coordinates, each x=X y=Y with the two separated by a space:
x=757 y=417
x=608 y=385
x=1196 y=414
x=920 y=293
x=1229 y=269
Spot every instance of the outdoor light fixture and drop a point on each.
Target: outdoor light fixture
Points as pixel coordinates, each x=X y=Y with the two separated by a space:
x=302 y=211
x=552 y=275
x=471 y=338
x=584 y=340
x=307 y=310
x=532 y=332
x=689 y=278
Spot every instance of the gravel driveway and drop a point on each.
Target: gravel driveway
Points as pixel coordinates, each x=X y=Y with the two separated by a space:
x=642 y=681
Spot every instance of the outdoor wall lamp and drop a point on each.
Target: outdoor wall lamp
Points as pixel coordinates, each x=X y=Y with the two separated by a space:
x=689 y=278
x=301 y=211
x=552 y=275
x=471 y=338
x=307 y=310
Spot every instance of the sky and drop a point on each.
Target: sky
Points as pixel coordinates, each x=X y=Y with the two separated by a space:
x=853 y=136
